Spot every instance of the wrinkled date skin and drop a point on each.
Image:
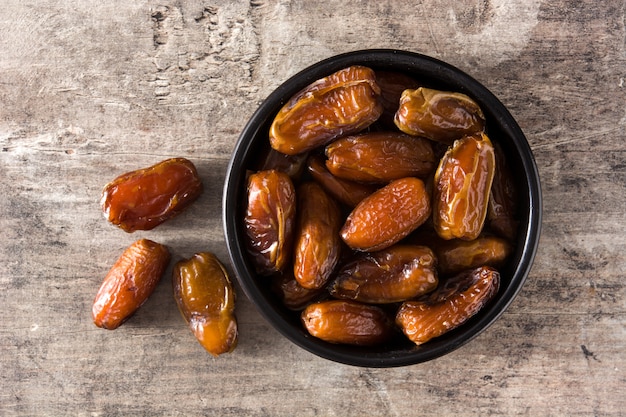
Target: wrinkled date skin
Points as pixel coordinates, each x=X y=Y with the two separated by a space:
x=457 y=255
x=392 y=275
x=380 y=157
x=205 y=298
x=270 y=220
x=293 y=295
x=503 y=200
x=317 y=243
x=451 y=305
x=387 y=216
x=349 y=193
x=462 y=186
x=341 y=104
x=347 y=322
x=145 y=198
x=129 y=283
x=438 y=115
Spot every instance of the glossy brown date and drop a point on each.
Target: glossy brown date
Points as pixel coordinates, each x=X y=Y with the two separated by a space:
x=387 y=216
x=380 y=157
x=457 y=255
x=293 y=295
x=349 y=193
x=129 y=283
x=347 y=322
x=504 y=198
x=205 y=298
x=438 y=115
x=343 y=103
x=395 y=274
x=270 y=220
x=317 y=243
x=145 y=198
x=451 y=305
x=461 y=188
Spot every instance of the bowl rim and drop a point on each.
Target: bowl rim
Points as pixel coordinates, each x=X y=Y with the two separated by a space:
x=446 y=74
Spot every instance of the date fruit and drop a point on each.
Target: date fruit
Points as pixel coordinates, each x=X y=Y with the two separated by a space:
x=438 y=115
x=457 y=255
x=392 y=84
x=462 y=187
x=503 y=200
x=145 y=198
x=270 y=220
x=343 y=103
x=392 y=275
x=347 y=322
x=317 y=243
x=380 y=157
x=387 y=216
x=349 y=193
x=206 y=300
x=292 y=165
x=129 y=283
x=449 y=306
x=293 y=295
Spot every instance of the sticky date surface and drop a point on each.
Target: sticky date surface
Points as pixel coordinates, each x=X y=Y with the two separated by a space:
x=380 y=157
x=392 y=275
x=317 y=241
x=342 y=103
x=348 y=322
x=270 y=220
x=452 y=304
x=145 y=198
x=387 y=216
x=438 y=115
x=462 y=187
x=350 y=193
x=206 y=300
x=129 y=283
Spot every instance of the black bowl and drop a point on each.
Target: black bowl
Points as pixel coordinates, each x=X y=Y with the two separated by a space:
x=501 y=127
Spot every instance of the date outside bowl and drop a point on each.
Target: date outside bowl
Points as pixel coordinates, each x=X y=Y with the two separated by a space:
x=501 y=126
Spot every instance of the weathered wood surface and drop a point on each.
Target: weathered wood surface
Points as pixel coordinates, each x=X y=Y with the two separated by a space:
x=89 y=90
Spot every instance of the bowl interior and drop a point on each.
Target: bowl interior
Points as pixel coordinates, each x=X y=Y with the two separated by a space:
x=501 y=127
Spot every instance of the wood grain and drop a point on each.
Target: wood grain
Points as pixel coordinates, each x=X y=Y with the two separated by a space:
x=89 y=90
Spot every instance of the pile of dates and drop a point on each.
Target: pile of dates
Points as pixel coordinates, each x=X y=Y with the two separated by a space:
x=141 y=200
x=381 y=207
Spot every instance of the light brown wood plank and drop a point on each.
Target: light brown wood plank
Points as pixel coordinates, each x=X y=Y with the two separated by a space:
x=89 y=91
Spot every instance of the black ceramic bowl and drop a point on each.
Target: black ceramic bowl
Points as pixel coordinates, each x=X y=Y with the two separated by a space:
x=501 y=127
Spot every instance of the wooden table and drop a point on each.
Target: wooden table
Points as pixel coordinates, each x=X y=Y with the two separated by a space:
x=89 y=90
